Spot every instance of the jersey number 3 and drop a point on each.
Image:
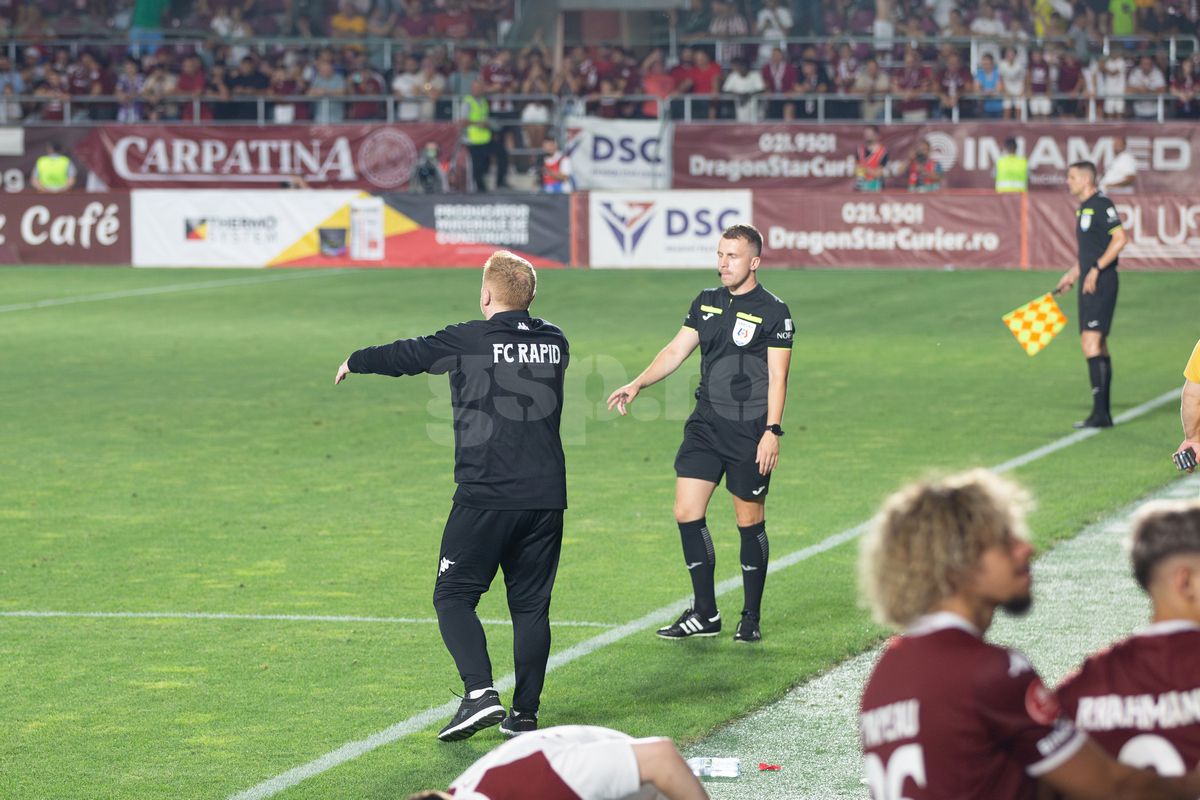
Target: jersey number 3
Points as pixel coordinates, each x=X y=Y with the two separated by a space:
x=886 y=781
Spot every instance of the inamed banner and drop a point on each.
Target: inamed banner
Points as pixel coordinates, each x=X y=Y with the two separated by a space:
x=73 y=228
x=619 y=154
x=852 y=229
x=372 y=157
x=1163 y=231
x=710 y=156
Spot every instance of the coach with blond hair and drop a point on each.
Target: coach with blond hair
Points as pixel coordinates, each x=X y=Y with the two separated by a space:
x=945 y=714
x=506 y=391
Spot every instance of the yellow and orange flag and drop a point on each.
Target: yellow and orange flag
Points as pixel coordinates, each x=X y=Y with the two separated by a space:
x=1036 y=323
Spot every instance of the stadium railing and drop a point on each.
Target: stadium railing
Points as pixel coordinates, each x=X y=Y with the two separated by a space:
x=766 y=107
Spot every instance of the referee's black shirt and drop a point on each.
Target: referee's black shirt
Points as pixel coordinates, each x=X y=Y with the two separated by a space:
x=1096 y=219
x=736 y=331
x=506 y=391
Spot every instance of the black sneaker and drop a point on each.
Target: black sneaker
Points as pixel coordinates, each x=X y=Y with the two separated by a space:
x=1094 y=421
x=518 y=722
x=473 y=716
x=747 y=629
x=691 y=624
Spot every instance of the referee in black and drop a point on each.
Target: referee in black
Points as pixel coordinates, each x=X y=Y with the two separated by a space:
x=1101 y=238
x=745 y=338
x=506 y=389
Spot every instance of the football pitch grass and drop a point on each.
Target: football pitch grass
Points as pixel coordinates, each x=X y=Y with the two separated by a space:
x=173 y=445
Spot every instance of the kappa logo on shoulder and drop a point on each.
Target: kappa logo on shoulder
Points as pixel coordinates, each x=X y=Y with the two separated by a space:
x=522 y=326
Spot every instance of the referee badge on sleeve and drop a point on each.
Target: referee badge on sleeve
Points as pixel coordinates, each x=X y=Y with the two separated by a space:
x=743 y=332
x=1085 y=222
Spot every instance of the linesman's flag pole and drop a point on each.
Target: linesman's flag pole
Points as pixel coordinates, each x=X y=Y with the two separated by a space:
x=1036 y=323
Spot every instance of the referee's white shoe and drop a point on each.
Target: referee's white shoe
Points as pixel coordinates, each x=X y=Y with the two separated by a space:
x=691 y=624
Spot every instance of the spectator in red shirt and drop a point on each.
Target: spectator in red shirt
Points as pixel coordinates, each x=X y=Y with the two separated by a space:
x=1069 y=81
x=658 y=82
x=192 y=84
x=363 y=80
x=455 y=21
x=706 y=82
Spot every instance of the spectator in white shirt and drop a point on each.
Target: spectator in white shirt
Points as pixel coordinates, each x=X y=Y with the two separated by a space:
x=744 y=83
x=1121 y=174
x=986 y=24
x=1146 y=79
x=1113 y=87
x=773 y=24
x=1012 y=82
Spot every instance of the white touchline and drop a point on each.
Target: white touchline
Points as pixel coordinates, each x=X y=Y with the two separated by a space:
x=170 y=289
x=207 y=615
x=352 y=750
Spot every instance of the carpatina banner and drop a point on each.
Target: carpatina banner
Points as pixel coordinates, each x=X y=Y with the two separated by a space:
x=371 y=157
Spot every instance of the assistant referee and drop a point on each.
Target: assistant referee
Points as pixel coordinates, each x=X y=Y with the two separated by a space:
x=506 y=390
x=1101 y=238
x=745 y=338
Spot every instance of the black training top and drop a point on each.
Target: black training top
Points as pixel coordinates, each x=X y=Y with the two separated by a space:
x=735 y=333
x=1097 y=219
x=506 y=392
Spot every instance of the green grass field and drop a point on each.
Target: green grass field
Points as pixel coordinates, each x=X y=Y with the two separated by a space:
x=179 y=448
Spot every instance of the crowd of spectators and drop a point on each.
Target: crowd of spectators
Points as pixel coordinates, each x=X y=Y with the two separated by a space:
x=737 y=60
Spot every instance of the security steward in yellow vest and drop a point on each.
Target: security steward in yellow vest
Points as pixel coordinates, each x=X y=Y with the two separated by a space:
x=478 y=133
x=1012 y=170
x=53 y=172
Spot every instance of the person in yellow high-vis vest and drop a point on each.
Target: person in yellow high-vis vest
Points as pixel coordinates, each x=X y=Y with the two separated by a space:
x=1012 y=170
x=477 y=132
x=53 y=172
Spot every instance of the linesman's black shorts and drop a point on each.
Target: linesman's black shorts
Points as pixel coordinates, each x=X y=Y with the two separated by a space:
x=1096 y=309
x=525 y=544
x=714 y=446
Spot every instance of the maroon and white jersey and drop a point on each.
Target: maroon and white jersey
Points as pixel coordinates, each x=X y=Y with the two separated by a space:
x=1039 y=77
x=947 y=715
x=1140 y=698
x=569 y=762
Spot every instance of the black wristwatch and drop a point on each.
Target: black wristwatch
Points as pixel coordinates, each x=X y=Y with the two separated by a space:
x=775 y=429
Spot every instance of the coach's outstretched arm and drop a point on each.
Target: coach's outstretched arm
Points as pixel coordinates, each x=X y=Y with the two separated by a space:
x=666 y=362
x=1092 y=774
x=661 y=765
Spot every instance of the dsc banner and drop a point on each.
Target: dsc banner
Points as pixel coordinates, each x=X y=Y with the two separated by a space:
x=619 y=154
x=371 y=157
x=712 y=156
x=919 y=231
x=1163 y=231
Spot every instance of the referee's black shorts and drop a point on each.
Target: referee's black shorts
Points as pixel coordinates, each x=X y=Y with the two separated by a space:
x=1096 y=309
x=715 y=446
x=477 y=541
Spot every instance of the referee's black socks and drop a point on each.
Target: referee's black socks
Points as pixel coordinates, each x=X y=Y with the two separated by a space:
x=701 y=560
x=755 y=551
x=1100 y=374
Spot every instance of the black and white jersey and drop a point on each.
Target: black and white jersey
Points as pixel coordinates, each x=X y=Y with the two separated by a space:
x=1096 y=220
x=736 y=331
x=506 y=392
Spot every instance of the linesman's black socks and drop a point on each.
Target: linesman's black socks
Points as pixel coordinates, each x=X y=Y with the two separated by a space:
x=701 y=562
x=755 y=552
x=1100 y=374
